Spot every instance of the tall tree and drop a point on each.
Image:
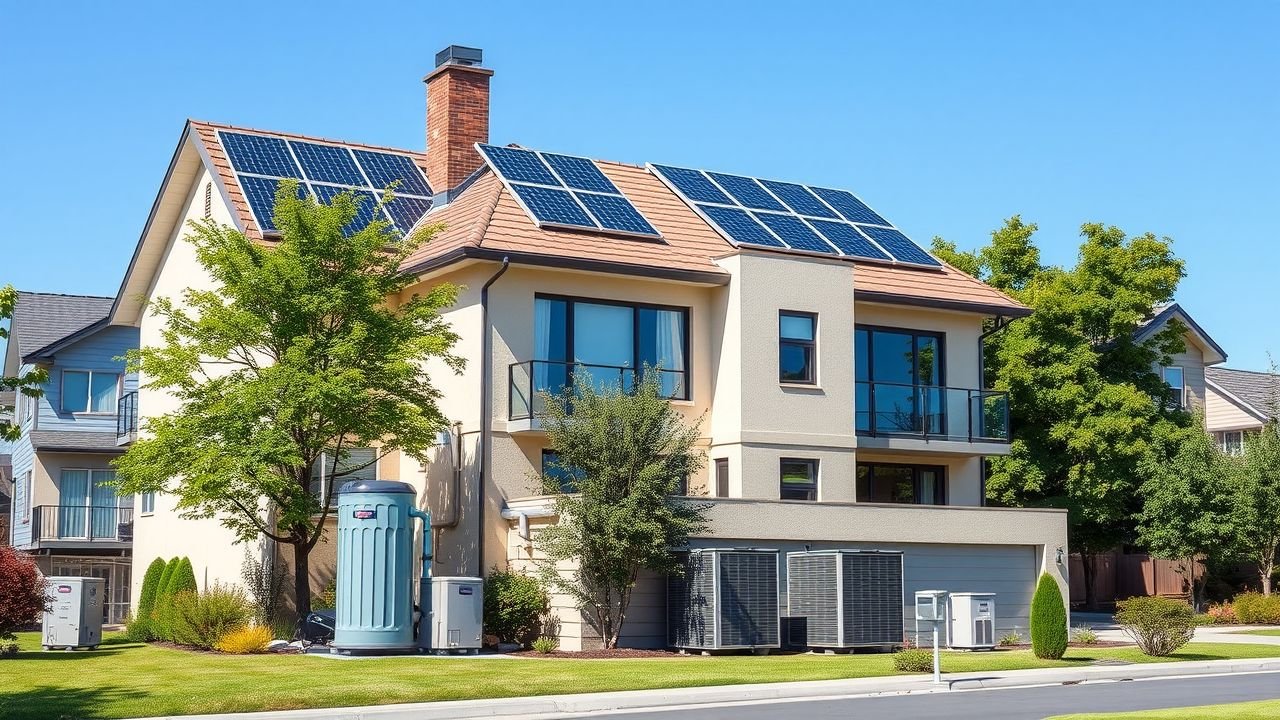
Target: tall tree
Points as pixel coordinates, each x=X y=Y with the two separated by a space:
x=28 y=383
x=622 y=457
x=296 y=355
x=1258 y=498
x=1188 y=506
x=1086 y=405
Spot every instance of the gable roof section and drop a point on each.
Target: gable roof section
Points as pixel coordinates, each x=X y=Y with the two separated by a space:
x=1214 y=353
x=44 y=322
x=1253 y=391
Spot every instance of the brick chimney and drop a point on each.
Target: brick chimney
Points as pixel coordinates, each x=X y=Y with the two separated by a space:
x=457 y=116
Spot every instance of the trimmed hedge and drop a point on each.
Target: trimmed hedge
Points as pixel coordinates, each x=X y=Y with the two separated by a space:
x=1048 y=620
x=913 y=660
x=159 y=628
x=139 y=629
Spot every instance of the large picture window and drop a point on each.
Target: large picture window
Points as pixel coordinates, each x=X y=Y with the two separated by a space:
x=89 y=391
x=899 y=378
x=906 y=484
x=611 y=341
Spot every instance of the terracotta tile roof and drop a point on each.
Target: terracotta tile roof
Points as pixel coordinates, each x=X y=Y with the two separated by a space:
x=207 y=134
x=886 y=283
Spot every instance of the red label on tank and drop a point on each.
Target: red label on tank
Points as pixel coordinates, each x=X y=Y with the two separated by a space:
x=367 y=514
x=64 y=588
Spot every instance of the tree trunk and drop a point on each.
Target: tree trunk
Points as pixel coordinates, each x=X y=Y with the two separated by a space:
x=1265 y=575
x=302 y=581
x=1089 y=563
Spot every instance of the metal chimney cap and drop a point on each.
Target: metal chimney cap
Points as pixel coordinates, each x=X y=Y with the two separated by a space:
x=459 y=55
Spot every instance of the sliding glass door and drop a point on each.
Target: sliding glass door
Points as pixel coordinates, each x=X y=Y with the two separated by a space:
x=899 y=381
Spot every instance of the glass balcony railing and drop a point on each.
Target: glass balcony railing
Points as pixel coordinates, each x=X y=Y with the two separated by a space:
x=105 y=523
x=931 y=411
x=528 y=380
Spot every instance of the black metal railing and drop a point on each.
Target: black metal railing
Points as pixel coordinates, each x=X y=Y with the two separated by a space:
x=127 y=417
x=528 y=380
x=101 y=523
x=931 y=411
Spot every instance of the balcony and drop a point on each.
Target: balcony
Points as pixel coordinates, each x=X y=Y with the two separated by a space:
x=127 y=419
x=81 y=525
x=895 y=416
x=528 y=380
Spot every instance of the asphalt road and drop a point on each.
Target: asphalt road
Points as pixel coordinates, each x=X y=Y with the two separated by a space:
x=1000 y=704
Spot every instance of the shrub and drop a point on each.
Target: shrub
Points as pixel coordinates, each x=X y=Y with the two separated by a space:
x=139 y=629
x=159 y=626
x=546 y=644
x=22 y=596
x=184 y=578
x=1159 y=625
x=1048 y=620
x=1084 y=635
x=913 y=660
x=327 y=599
x=1224 y=614
x=264 y=580
x=1013 y=637
x=245 y=640
x=201 y=619
x=513 y=606
x=1257 y=609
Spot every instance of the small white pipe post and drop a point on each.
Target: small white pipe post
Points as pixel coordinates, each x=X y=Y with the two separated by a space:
x=937 y=660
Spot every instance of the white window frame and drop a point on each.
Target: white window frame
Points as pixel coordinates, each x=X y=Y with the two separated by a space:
x=148 y=499
x=324 y=463
x=1182 y=385
x=1224 y=446
x=62 y=392
x=26 y=497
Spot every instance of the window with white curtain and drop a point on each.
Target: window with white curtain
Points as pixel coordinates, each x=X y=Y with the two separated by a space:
x=89 y=391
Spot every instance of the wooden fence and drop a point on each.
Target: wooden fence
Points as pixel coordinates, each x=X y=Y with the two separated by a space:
x=1124 y=575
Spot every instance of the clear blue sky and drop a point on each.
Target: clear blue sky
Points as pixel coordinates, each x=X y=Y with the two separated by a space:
x=947 y=117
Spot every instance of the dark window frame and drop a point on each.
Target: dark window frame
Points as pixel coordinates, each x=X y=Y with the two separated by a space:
x=811 y=487
x=721 y=476
x=941 y=492
x=937 y=336
x=811 y=346
x=569 y=300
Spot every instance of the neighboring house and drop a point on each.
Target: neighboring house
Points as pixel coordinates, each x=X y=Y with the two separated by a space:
x=1239 y=402
x=1185 y=373
x=63 y=512
x=840 y=391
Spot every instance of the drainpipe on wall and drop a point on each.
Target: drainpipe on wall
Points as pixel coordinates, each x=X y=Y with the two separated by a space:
x=486 y=415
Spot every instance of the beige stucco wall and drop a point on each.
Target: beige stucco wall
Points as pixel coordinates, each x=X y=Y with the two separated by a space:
x=46 y=474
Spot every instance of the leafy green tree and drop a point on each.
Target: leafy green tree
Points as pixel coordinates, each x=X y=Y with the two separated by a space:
x=28 y=383
x=625 y=455
x=1257 y=506
x=298 y=354
x=1188 y=502
x=1086 y=405
x=1048 y=620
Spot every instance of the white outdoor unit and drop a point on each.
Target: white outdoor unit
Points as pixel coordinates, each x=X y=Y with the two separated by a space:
x=457 y=614
x=971 y=621
x=726 y=599
x=74 y=618
x=850 y=598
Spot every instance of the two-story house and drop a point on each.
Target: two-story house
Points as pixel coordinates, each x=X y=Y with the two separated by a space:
x=64 y=510
x=835 y=364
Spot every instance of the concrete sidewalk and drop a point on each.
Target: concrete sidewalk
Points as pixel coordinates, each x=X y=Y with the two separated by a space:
x=553 y=705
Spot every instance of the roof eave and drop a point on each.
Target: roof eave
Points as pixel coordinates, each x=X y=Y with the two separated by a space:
x=46 y=352
x=470 y=252
x=1009 y=311
x=1236 y=400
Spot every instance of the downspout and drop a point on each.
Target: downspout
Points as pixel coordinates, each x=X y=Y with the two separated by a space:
x=1002 y=322
x=486 y=415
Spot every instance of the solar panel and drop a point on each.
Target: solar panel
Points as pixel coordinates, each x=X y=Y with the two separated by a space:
x=794 y=232
x=366 y=201
x=800 y=199
x=327 y=163
x=899 y=245
x=577 y=194
x=771 y=213
x=853 y=209
x=406 y=211
x=848 y=239
x=552 y=205
x=383 y=169
x=580 y=173
x=261 y=194
x=260 y=155
x=747 y=192
x=740 y=226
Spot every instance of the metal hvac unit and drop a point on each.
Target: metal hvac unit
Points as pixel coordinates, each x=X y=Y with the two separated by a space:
x=850 y=598
x=726 y=599
x=457 y=610
x=74 y=617
x=971 y=621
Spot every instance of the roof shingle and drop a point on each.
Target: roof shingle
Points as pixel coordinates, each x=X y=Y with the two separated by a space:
x=42 y=319
x=1260 y=390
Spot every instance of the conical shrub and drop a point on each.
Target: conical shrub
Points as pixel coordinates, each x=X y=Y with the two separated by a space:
x=1048 y=620
x=139 y=628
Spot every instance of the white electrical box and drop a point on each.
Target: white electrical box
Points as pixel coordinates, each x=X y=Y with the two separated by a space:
x=971 y=621
x=457 y=614
x=930 y=605
x=74 y=618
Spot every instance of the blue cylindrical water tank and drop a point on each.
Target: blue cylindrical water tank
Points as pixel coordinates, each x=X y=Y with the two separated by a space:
x=375 y=548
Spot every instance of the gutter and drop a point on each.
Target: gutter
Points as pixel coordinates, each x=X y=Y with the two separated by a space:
x=705 y=277
x=486 y=414
x=1002 y=322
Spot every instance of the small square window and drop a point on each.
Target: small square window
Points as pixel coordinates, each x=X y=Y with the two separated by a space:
x=797 y=347
x=798 y=479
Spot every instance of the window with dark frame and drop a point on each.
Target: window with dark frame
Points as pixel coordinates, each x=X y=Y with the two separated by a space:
x=722 y=477
x=899 y=379
x=902 y=484
x=798 y=479
x=797 y=347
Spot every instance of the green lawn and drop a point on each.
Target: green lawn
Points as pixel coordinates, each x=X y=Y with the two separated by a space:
x=1270 y=632
x=124 y=679
x=1263 y=710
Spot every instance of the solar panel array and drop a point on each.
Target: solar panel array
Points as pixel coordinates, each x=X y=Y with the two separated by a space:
x=566 y=191
x=324 y=170
x=770 y=213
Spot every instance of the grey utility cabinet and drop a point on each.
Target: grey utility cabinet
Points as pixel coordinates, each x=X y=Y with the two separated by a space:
x=74 y=618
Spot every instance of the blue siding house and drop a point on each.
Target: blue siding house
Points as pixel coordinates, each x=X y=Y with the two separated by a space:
x=63 y=507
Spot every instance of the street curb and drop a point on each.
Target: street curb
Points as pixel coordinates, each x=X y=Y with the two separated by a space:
x=639 y=700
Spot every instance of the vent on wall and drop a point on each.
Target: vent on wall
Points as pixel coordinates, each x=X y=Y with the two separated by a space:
x=725 y=599
x=208 y=200
x=850 y=598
